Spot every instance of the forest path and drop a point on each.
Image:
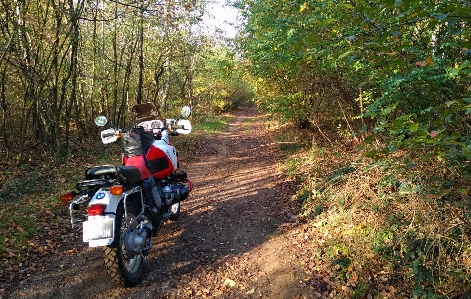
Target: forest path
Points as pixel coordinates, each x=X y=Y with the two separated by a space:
x=238 y=235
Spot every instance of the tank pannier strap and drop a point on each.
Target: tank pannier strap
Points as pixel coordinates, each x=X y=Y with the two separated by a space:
x=158 y=164
x=136 y=143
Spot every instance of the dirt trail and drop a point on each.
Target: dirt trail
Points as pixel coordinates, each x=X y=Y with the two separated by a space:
x=233 y=240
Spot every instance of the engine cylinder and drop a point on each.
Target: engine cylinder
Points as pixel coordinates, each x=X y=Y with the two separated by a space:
x=174 y=193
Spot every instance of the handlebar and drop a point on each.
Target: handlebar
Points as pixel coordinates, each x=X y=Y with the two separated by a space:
x=105 y=135
x=165 y=129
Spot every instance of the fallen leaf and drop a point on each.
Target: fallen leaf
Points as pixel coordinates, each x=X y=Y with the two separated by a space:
x=229 y=282
x=429 y=61
x=421 y=63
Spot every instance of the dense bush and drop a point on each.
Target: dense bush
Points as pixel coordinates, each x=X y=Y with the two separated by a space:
x=391 y=80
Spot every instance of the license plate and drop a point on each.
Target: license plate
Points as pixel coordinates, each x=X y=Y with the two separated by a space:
x=98 y=229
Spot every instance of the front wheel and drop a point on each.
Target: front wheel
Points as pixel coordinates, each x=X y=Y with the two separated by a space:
x=124 y=270
x=175 y=210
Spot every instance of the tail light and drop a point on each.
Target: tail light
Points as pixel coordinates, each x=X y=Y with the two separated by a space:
x=116 y=189
x=95 y=209
x=68 y=196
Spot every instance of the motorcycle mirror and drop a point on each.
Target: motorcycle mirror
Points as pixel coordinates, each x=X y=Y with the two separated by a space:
x=186 y=111
x=101 y=120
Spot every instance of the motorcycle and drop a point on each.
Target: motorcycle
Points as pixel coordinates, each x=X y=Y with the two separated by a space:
x=127 y=205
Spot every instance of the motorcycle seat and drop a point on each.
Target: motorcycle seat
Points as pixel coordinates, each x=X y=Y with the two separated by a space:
x=130 y=174
x=98 y=171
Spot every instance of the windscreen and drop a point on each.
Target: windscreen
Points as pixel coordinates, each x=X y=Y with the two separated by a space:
x=145 y=112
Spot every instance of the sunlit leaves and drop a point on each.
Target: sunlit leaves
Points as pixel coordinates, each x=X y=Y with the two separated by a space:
x=413 y=127
x=327 y=21
x=345 y=6
x=409 y=54
x=303 y=7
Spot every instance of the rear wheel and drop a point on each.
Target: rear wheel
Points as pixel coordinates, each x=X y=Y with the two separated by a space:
x=175 y=210
x=124 y=269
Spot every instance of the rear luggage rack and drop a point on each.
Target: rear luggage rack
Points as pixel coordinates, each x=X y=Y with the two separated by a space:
x=96 y=183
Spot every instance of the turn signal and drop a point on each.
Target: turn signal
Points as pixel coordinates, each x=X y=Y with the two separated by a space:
x=66 y=197
x=95 y=209
x=116 y=190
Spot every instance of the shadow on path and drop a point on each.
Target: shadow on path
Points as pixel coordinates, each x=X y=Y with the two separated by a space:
x=227 y=242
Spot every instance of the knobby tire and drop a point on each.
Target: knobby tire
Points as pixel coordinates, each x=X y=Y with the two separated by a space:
x=115 y=257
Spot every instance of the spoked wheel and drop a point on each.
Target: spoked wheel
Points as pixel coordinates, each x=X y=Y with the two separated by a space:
x=175 y=210
x=125 y=268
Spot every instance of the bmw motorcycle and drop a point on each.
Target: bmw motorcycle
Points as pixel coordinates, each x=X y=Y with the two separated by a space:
x=123 y=207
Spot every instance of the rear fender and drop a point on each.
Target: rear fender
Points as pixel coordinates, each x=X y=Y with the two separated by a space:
x=103 y=196
x=111 y=203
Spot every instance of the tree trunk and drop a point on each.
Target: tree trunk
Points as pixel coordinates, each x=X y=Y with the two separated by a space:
x=141 y=58
x=115 y=69
x=75 y=13
x=167 y=83
x=4 y=109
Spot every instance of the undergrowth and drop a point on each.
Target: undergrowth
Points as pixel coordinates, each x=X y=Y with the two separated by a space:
x=396 y=227
x=29 y=195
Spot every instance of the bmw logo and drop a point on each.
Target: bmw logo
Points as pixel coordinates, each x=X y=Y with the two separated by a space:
x=100 y=195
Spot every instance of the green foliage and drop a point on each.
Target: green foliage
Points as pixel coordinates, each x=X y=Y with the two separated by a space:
x=396 y=75
x=70 y=61
x=220 y=85
x=411 y=59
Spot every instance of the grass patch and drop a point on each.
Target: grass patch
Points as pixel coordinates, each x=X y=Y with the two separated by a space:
x=247 y=125
x=212 y=124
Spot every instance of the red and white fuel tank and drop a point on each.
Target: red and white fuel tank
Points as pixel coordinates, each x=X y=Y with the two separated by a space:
x=162 y=159
x=158 y=158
